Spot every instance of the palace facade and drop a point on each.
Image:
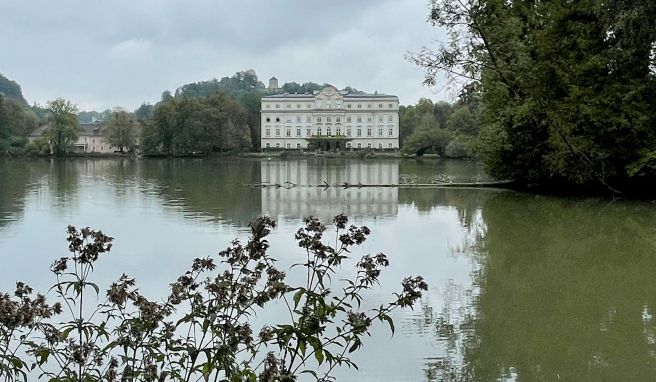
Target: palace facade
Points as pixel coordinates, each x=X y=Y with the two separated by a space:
x=330 y=119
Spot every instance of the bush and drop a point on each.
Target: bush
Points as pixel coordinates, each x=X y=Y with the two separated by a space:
x=459 y=147
x=203 y=330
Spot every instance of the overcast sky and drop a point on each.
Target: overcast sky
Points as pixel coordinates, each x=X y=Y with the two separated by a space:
x=102 y=54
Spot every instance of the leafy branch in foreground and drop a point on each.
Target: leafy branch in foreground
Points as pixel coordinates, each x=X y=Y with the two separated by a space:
x=211 y=326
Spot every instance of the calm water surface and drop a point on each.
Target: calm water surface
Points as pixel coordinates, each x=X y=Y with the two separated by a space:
x=522 y=287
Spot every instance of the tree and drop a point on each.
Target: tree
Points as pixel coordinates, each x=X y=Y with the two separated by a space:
x=64 y=126
x=462 y=121
x=568 y=87
x=192 y=126
x=12 y=90
x=144 y=112
x=120 y=131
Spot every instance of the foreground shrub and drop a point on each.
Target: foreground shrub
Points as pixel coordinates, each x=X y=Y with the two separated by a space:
x=205 y=329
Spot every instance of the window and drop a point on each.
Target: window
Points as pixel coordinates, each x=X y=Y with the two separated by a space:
x=309 y=132
x=298 y=132
x=380 y=105
x=369 y=145
x=318 y=131
x=359 y=119
x=289 y=133
x=268 y=145
x=380 y=132
x=348 y=119
x=298 y=105
x=338 y=120
x=277 y=132
x=277 y=106
x=309 y=106
x=380 y=118
x=289 y=146
x=289 y=107
x=298 y=119
x=328 y=131
x=368 y=106
x=389 y=145
x=277 y=119
x=359 y=132
x=359 y=145
x=327 y=119
x=268 y=106
x=298 y=145
x=391 y=106
x=390 y=132
x=380 y=145
x=278 y=145
x=368 y=132
x=338 y=105
x=339 y=131
x=369 y=119
x=289 y=121
x=390 y=119
x=348 y=106
x=318 y=119
x=268 y=132
x=359 y=106
x=308 y=119
x=268 y=119
x=348 y=132
x=348 y=144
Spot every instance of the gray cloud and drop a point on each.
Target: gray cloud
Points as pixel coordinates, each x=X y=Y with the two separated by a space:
x=124 y=52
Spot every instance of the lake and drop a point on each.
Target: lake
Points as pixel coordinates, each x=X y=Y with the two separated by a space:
x=522 y=287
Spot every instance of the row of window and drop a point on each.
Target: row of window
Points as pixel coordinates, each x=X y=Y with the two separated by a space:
x=348 y=144
x=328 y=105
x=308 y=132
x=308 y=119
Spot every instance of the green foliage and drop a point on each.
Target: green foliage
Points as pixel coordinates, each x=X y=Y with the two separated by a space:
x=204 y=329
x=433 y=140
x=38 y=147
x=461 y=146
x=190 y=126
x=64 y=126
x=16 y=121
x=120 y=131
x=462 y=121
x=568 y=87
x=12 y=90
x=144 y=112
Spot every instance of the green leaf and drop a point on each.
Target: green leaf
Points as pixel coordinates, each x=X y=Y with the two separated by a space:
x=318 y=354
x=297 y=296
x=389 y=321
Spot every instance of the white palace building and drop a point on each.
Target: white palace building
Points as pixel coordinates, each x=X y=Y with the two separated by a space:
x=330 y=119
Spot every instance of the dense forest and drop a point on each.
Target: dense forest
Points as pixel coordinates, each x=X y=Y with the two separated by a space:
x=567 y=89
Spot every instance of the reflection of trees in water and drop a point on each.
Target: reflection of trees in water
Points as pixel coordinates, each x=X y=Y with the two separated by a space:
x=208 y=187
x=440 y=170
x=55 y=180
x=567 y=293
x=15 y=178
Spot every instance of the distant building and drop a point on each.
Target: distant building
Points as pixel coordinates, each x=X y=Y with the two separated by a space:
x=273 y=84
x=330 y=119
x=91 y=138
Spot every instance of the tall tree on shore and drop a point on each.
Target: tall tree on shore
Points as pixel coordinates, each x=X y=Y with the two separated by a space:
x=120 y=131
x=568 y=88
x=65 y=127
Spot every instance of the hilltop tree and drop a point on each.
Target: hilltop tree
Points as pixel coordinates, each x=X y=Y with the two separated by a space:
x=120 y=131
x=65 y=127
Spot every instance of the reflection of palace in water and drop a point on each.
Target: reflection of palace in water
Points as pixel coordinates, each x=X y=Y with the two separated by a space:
x=307 y=197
